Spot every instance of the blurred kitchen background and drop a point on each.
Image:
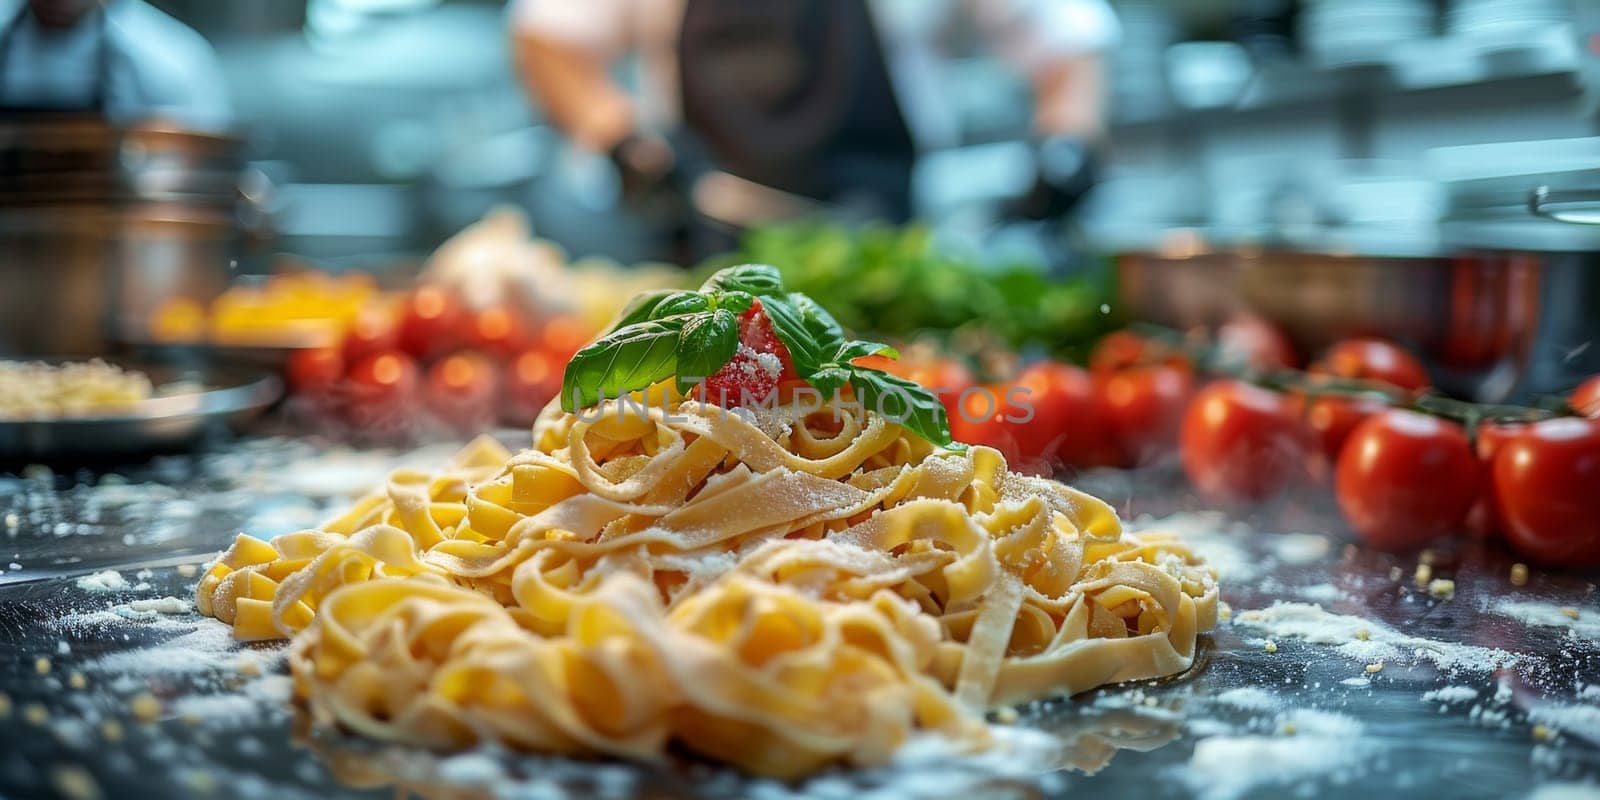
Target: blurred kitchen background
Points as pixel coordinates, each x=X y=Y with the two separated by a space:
x=389 y=124
x=1340 y=167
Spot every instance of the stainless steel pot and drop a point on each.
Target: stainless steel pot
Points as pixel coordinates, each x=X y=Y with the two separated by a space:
x=1535 y=204
x=100 y=227
x=1473 y=319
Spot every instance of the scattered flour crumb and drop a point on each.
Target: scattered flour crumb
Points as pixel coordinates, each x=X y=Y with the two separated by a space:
x=1367 y=641
x=1301 y=548
x=107 y=581
x=1584 y=623
x=1321 y=592
x=1450 y=694
x=1580 y=720
x=1250 y=698
x=159 y=605
x=1323 y=745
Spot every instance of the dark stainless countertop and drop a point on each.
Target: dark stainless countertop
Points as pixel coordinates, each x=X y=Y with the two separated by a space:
x=1494 y=691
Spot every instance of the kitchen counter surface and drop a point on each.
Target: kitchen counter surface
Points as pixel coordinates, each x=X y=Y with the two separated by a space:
x=1338 y=671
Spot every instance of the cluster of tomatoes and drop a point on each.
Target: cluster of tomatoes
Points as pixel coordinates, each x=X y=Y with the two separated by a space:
x=432 y=361
x=1402 y=476
x=1350 y=423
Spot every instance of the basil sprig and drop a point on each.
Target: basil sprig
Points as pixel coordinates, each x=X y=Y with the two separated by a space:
x=693 y=334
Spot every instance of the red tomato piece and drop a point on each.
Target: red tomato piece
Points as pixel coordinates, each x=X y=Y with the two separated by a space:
x=1373 y=360
x=461 y=391
x=498 y=331
x=1547 y=488
x=1256 y=342
x=748 y=377
x=1406 y=478
x=1586 y=398
x=431 y=323
x=315 y=370
x=1068 y=425
x=380 y=389
x=1330 y=418
x=997 y=415
x=532 y=379
x=372 y=333
x=1120 y=350
x=1239 y=443
x=1144 y=408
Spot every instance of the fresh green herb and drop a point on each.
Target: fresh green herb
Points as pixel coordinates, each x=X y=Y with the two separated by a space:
x=628 y=359
x=708 y=341
x=691 y=335
x=761 y=280
x=898 y=282
x=681 y=303
x=810 y=333
x=904 y=402
x=641 y=307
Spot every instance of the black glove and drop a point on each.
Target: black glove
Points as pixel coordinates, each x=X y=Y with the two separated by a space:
x=644 y=162
x=1065 y=168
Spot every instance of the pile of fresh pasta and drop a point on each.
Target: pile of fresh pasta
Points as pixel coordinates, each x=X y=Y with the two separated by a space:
x=40 y=390
x=782 y=590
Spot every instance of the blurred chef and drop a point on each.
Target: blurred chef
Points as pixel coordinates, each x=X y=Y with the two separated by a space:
x=826 y=99
x=119 y=58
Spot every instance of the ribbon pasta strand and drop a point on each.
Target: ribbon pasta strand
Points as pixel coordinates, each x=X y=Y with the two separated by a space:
x=782 y=592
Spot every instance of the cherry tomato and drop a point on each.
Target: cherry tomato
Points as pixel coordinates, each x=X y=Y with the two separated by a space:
x=430 y=323
x=1406 y=478
x=461 y=391
x=498 y=331
x=1240 y=443
x=755 y=330
x=532 y=379
x=1255 y=342
x=380 y=389
x=1547 y=487
x=1123 y=349
x=1586 y=398
x=315 y=370
x=373 y=332
x=1068 y=426
x=1330 y=418
x=993 y=415
x=747 y=377
x=1373 y=360
x=1484 y=518
x=1143 y=407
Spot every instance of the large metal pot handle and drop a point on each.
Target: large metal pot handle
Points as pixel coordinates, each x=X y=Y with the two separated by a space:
x=1572 y=206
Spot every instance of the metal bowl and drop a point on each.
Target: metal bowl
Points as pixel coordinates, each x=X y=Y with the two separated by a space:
x=198 y=402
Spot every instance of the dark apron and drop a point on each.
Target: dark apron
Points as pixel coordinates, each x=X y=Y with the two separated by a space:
x=97 y=100
x=796 y=95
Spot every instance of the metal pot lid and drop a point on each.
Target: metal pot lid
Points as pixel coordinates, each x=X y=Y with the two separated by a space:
x=78 y=159
x=1536 y=195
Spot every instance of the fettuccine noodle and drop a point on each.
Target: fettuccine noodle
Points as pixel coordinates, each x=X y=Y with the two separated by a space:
x=782 y=593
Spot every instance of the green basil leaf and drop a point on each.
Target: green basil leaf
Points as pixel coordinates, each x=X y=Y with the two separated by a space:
x=680 y=303
x=810 y=333
x=736 y=301
x=902 y=401
x=640 y=308
x=628 y=359
x=829 y=380
x=707 y=343
x=756 y=279
x=856 y=348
